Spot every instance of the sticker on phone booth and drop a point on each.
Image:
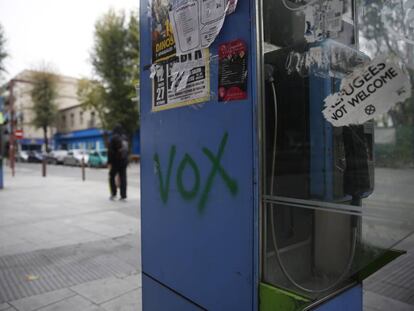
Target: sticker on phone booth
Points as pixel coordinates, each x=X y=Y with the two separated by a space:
x=232 y=71
x=368 y=92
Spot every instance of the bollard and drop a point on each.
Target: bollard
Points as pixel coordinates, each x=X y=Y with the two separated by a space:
x=12 y=159
x=83 y=168
x=44 y=167
x=1 y=172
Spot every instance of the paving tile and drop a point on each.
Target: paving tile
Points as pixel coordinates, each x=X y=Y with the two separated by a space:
x=9 y=238
x=84 y=237
x=64 y=267
x=23 y=247
x=390 y=290
x=411 y=299
x=105 y=290
x=76 y=303
x=4 y=306
x=129 y=302
x=382 y=303
x=134 y=279
x=407 y=244
x=39 y=301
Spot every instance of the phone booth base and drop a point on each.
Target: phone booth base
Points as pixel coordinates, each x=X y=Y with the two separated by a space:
x=159 y=298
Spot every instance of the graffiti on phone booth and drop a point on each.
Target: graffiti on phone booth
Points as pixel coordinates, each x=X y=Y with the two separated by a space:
x=197 y=190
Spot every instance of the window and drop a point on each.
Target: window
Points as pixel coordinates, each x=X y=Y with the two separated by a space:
x=81 y=118
x=72 y=120
x=92 y=122
x=63 y=121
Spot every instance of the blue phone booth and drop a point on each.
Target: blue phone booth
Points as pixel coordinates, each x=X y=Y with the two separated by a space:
x=250 y=199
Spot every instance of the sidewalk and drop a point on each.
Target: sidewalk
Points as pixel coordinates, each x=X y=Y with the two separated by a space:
x=64 y=245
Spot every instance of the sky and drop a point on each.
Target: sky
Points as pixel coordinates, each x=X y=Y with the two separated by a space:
x=56 y=32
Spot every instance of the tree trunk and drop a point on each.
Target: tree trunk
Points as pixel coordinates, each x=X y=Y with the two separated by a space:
x=46 y=139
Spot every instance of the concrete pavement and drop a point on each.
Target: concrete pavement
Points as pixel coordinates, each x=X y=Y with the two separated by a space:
x=64 y=245
x=391 y=218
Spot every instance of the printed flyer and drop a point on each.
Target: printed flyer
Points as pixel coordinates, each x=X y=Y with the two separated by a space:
x=368 y=92
x=232 y=71
x=163 y=44
x=181 y=81
x=197 y=23
x=177 y=80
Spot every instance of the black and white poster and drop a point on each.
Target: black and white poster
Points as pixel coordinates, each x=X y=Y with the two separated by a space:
x=181 y=81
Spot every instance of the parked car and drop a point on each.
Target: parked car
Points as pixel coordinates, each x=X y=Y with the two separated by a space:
x=56 y=156
x=74 y=157
x=35 y=157
x=98 y=158
x=60 y=155
x=50 y=158
x=22 y=156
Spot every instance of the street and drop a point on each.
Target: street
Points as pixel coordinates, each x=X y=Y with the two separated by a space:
x=65 y=246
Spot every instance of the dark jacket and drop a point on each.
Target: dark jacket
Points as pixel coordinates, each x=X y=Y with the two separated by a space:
x=118 y=150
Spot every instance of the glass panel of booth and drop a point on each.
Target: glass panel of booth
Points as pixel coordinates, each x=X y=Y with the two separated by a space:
x=314 y=248
x=338 y=138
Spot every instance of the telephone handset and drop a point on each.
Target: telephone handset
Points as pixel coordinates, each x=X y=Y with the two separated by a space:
x=358 y=155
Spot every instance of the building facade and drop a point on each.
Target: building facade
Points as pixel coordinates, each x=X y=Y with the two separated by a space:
x=19 y=89
x=74 y=128
x=78 y=128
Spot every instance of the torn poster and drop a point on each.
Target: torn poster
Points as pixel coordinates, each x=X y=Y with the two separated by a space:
x=323 y=20
x=196 y=23
x=232 y=71
x=163 y=44
x=181 y=81
x=368 y=92
x=231 y=6
x=329 y=59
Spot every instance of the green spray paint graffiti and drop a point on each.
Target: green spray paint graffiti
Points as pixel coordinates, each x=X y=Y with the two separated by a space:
x=188 y=163
x=217 y=168
x=188 y=194
x=165 y=188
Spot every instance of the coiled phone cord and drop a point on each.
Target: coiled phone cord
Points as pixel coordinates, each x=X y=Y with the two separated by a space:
x=279 y=260
x=299 y=8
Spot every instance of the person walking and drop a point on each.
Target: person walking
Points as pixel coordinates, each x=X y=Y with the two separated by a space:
x=118 y=161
